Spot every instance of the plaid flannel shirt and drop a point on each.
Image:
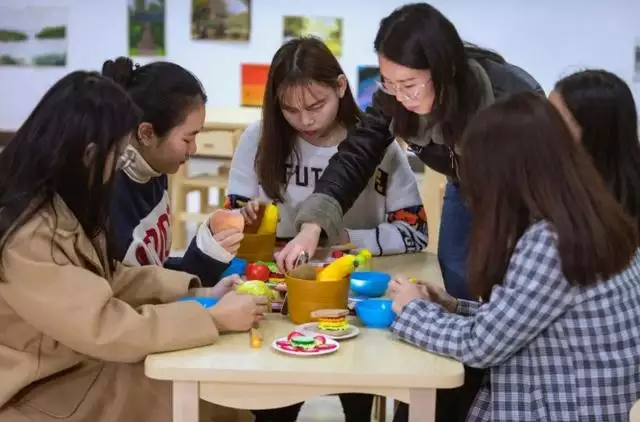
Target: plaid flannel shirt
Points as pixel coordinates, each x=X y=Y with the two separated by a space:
x=556 y=352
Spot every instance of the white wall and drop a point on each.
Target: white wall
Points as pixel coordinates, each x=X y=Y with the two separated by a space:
x=549 y=38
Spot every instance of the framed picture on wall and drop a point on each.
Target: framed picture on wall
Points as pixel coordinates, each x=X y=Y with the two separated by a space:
x=328 y=30
x=226 y=20
x=33 y=35
x=367 y=78
x=146 y=28
x=253 y=79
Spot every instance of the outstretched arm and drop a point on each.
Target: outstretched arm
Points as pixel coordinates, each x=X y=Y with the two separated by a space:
x=347 y=174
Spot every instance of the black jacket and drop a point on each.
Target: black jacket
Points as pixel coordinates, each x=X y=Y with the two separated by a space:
x=361 y=152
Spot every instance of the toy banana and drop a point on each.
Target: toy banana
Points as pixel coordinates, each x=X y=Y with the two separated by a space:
x=363 y=259
x=269 y=222
x=338 y=269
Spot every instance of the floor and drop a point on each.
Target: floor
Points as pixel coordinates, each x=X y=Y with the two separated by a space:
x=328 y=409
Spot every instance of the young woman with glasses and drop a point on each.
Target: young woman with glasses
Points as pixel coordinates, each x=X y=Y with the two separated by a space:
x=431 y=85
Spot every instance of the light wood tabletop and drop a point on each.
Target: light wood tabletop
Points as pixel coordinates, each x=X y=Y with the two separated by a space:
x=232 y=374
x=634 y=415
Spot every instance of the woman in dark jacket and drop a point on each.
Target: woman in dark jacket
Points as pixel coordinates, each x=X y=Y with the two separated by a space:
x=431 y=85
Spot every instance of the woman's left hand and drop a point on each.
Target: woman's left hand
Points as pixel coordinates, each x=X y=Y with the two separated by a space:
x=221 y=288
x=402 y=292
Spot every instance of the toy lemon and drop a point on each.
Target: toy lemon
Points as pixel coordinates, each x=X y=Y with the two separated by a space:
x=269 y=221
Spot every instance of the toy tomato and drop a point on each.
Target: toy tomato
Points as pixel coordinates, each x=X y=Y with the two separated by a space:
x=256 y=271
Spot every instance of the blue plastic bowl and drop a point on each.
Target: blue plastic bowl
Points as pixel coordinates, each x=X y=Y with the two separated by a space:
x=206 y=302
x=369 y=283
x=375 y=313
x=236 y=266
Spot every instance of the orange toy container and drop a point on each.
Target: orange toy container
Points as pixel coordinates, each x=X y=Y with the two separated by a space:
x=306 y=296
x=257 y=247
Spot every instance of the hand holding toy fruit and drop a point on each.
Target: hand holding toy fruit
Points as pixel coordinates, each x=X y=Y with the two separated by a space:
x=221 y=288
x=402 y=292
x=256 y=288
x=250 y=211
x=238 y=312
x=440 y=296
x=227 y=227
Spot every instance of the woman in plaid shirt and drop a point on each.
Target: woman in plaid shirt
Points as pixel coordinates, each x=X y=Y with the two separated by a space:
x=555 y=261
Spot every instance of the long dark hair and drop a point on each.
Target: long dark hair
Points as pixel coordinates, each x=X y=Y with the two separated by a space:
x=602 y=104
x=47 y=156
x=520 y=164
x=418 y=36
x=298 y=62
x=164 y=91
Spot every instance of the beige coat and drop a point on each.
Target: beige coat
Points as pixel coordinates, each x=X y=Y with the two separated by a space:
x=73 y=335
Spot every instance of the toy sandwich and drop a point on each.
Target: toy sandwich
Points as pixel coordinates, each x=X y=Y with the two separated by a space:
x=332 y=322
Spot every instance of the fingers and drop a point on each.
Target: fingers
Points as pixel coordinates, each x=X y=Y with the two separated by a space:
x=232 y=243
x=252 y=209
x=397 y=307
x=293 y=256
x=260 y=300
x=261 y=309
x=400 y=279
x=224 y=234
x=233 y=280
x=282 y=256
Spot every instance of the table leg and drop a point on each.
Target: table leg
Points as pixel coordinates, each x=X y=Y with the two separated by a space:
x=186 y=401
x=422 y=406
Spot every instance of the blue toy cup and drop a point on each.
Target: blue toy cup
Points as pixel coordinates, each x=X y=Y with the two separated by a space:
x=236 y=266
x=369 y=283
x=206 y=302
x=375 y=313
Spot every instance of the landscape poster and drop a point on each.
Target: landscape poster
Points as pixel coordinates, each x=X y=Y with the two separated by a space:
x=224 y=20
x=33 y=35
x=146 y=28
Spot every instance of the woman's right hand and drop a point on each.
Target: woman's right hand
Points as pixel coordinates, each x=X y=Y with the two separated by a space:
x=236 y=312
x=250 y=211
x=306 y=241
x=440 y=296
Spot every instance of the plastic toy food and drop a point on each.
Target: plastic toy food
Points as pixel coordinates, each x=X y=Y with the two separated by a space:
x=338 y=269
x=257 y=271
x=298 y=342
x=269 y=221
x=222 y=220
x=255 y=338
x=256 y=288
x=363 y=259
x=332 y=322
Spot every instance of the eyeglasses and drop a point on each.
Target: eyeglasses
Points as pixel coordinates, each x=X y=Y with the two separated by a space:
x=396 y=89
x=125 y=159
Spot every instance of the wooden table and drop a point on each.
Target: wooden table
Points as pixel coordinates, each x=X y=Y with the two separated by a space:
x=231 y=373
x=634 y=415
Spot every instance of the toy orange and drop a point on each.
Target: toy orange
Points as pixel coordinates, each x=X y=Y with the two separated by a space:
x=226 y=219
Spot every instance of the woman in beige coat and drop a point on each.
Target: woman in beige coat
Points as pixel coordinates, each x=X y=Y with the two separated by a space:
x=75 y=324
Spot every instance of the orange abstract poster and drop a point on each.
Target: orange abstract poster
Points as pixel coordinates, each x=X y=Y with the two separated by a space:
x=253 y=80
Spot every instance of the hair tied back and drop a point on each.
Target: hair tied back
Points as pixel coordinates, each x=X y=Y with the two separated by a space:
x=121 y=70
